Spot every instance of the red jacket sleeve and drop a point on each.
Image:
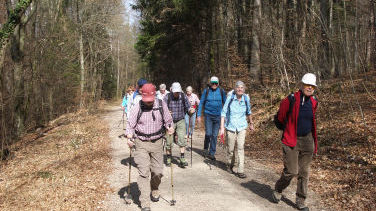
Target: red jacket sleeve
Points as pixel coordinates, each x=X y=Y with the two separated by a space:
x=283 y=109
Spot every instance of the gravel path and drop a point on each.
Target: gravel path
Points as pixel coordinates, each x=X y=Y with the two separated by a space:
x=205 y=186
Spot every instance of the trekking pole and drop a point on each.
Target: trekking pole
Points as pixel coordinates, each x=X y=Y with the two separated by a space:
x=128 y=199
x=192 y=129
x=172 y=202
x=122 y=120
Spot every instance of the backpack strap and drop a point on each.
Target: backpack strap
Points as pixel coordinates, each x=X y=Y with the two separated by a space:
x=229 y=109
x=160 y=108
x=169 y=99
x=222 y=94
x=162 y=130
x=291 y=98
x=139 y=114
x=206 y=96
x=182 y=95
x=246 y=104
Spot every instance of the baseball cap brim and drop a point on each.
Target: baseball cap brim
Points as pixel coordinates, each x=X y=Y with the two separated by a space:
x=176 y=90
x=148 y=98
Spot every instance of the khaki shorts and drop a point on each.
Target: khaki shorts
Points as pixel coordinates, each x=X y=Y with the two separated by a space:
x=180 y=132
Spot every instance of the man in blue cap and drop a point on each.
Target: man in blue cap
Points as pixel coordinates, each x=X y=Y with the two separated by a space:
x=137 y=95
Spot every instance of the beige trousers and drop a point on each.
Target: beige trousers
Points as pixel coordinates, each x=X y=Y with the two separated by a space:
x=236 y=138
x=149 y=160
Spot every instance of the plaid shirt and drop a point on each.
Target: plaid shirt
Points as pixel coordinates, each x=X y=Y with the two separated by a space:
x=147 y=124
x=176 y=106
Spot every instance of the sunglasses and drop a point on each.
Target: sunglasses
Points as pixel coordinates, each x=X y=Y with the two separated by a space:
x=214 y=83
x=306 y=86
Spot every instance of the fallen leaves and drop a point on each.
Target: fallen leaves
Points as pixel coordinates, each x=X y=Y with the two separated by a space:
x=64 y=170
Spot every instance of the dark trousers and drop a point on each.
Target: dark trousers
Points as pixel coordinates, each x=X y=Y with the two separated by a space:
x=212 y=124
x=296 y=161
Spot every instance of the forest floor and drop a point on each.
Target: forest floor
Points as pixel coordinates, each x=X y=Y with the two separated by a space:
x=69 y=164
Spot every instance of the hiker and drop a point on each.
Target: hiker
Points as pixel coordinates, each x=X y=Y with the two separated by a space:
x=147 y=123
x=162 y=92
x=299 y=140
x=127 y=96
x=136 y=97
x=194 y=102
x=178 y=105
x=234 y=118
x=212 y=100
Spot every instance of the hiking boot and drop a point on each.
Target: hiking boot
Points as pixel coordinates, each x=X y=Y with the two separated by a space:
x=146 y=209
x=276 y=196
x=154 y=196
x=300 y=205
x=242 y=175
x=211 y=157
x=183 y=162
x=205 y=153
x=168 y=162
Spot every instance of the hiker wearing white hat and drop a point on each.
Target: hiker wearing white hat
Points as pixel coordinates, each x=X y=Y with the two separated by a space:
x=178 y=105
x=297 y=115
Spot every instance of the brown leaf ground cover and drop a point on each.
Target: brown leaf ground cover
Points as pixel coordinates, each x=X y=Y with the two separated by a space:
x=344 y=170
x=64 y=169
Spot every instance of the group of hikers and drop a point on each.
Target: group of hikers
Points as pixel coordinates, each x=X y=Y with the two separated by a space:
x=157 y=119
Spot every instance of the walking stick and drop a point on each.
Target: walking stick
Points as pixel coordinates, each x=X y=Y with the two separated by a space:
x=128 y=198
x=122 y=120
x=192 y=129
x=172 y=202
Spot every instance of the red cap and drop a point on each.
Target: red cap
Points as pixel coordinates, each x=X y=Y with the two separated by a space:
x=148 y=93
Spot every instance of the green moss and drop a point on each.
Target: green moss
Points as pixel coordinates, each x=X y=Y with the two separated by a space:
x=13 y=19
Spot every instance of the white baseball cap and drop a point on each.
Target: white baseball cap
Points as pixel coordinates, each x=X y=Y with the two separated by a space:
x=309 y=79
x=214 y=79
x=175 y=87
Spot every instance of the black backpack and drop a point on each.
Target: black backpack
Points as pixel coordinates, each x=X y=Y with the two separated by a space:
x=182 y=99
x=278 y=124
x=222 y=94
x=160 y=108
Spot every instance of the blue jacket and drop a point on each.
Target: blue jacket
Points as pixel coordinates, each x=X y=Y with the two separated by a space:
x=125 y=102
x=213 y=104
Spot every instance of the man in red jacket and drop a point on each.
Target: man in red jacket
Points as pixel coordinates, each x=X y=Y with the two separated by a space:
x=299 y=140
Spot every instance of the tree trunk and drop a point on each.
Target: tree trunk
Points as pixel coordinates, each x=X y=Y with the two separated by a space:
x=82 y=71
x=255 y=50
x=372 y=39
x=82 y=58
x=118 y=70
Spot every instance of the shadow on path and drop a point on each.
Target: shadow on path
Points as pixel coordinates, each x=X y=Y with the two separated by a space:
x=135 y=192
x=125 y=161
x=265 y=191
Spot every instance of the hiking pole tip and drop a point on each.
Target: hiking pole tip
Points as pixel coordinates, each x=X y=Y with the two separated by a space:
x=172 y=202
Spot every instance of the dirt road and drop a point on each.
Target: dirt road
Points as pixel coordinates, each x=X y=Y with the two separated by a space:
x=204 y=186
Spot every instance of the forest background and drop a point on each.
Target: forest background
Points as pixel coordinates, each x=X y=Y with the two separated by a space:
x=59 y=56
